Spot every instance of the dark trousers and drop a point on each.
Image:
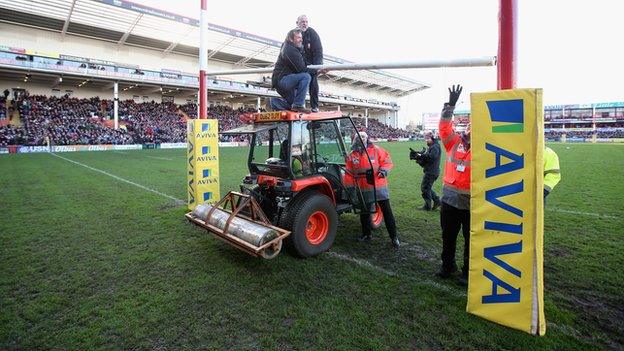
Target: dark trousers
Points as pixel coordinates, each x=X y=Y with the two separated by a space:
x=314 y=91
x=451 y=220
x=365 y=220
x=426 y=189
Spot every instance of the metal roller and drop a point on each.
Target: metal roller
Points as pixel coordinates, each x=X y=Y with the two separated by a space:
x=250 y=232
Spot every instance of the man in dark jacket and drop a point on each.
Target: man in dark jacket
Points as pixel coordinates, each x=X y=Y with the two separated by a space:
x=291 y=77
x=430 y=162
x=313 y=54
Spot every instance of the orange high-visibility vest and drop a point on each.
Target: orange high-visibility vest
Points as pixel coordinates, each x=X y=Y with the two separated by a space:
x=357 y=163
x=457 y=167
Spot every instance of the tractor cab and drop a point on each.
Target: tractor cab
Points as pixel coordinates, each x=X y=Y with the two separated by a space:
x=302 y=151
x=298 y=175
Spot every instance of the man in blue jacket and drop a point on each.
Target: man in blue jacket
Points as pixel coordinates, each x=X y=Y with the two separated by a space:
x=291 y=78
x=313 y=55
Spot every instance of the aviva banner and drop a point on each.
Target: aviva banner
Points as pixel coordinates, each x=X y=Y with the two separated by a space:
x=506 y=209
x=203 y=162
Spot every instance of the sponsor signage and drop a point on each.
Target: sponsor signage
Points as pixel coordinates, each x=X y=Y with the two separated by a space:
x=202 y=162
x=173 y=145
x=506 y=209
x=74 y=148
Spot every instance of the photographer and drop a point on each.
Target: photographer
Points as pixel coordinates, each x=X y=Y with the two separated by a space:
x=429 y=160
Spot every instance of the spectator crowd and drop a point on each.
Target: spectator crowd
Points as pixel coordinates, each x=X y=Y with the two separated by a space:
x=378 y=130
x=71 y=121
x=612 y=132
x=68 y=121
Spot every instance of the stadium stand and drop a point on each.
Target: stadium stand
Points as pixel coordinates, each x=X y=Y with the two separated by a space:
x=72 y=121
x=378 y=130
x=3 y=108
x=589 y=122
x=112 y=70
x=67 y=121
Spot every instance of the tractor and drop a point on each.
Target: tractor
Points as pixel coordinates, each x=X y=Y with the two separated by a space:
x=295 y=189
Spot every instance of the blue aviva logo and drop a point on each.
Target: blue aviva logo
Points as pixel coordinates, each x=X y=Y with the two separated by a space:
x=507 y=116
x=205 y=127
x=207 y=195
x=205 y=150
x=206 y=173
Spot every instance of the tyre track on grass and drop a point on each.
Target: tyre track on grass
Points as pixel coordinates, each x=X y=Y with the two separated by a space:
x=564 y=329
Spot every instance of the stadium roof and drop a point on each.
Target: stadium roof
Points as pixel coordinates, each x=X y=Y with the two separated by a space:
x=128 y=23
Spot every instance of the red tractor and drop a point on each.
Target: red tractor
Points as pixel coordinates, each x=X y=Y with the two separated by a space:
x=295 y=184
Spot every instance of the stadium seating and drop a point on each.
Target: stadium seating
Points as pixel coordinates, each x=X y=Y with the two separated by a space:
x=69 y=121
x=611 y=132
x=66 y=121
x=378 y=130
x=3 y=108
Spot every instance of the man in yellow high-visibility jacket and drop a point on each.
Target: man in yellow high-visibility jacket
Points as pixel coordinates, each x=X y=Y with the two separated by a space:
x=552 y=174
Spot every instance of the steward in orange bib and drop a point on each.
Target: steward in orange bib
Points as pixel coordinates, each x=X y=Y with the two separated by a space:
x=359 y=173
x=455 y=210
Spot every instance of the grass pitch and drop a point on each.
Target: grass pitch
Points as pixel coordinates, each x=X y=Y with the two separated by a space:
x=90 y=261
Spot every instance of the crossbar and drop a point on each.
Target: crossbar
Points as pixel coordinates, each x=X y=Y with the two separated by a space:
x=467 y=62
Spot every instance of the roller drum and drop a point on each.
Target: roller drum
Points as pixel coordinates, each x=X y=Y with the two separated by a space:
x=248 y=231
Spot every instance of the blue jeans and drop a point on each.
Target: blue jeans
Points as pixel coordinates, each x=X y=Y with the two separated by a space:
x=292 y=89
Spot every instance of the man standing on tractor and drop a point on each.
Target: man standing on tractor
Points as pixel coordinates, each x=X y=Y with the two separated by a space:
x=455 y=210
x=371 y=177
x=291 y=78
x=313 y=54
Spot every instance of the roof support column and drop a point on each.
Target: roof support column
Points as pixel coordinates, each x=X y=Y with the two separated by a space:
x=116 y=104
x=396 y=119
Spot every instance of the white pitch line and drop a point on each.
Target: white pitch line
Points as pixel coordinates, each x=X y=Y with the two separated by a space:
x=581 y=213
x=178 y=201
x=421 y=282
x=120 y=152
x=358 y=261
x=563 y=328
x=160 y=158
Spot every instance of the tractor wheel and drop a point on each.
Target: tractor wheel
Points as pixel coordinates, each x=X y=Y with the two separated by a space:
x=377 y=217
x=312 y=221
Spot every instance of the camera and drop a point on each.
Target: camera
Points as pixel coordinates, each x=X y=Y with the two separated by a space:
x=417 y=155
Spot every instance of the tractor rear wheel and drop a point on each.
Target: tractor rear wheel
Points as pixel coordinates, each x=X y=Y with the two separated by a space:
x=312 y=221
x=376 y=217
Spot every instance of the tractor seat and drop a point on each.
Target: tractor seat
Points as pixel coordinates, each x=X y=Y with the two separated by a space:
x=332 y=174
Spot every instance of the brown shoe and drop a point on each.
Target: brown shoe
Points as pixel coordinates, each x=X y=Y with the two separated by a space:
x=301 y=109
